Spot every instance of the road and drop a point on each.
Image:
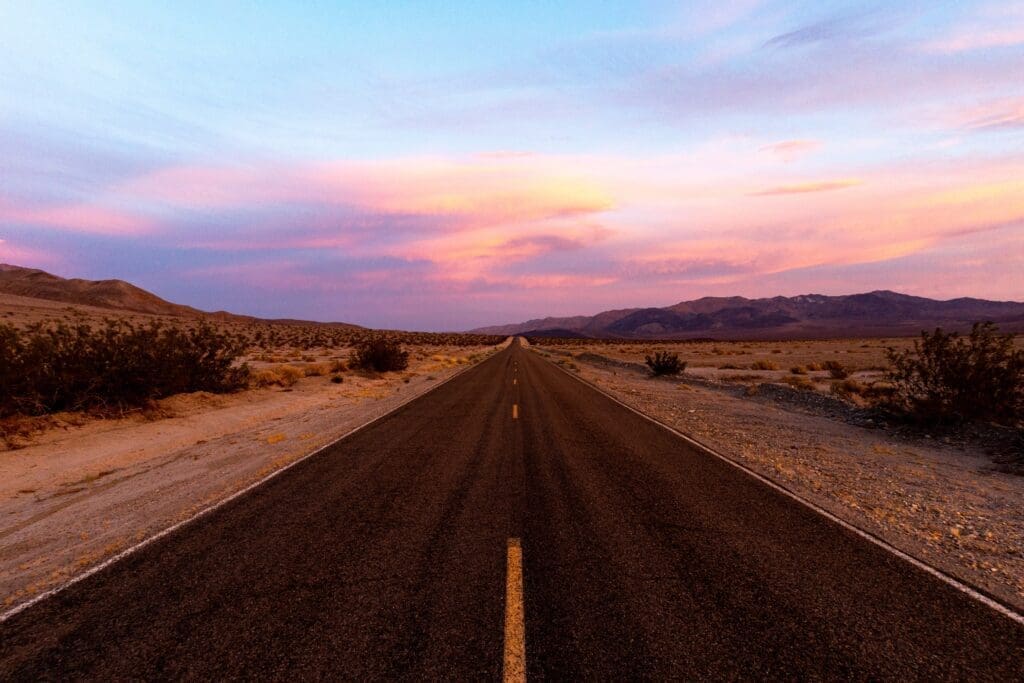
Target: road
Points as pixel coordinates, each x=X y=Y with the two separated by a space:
x=388 y=556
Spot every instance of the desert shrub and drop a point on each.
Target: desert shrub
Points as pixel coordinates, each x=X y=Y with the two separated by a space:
x=847 y=388
x=380 y=355
x=316 y=369
x=665 y=363
x=798 y=370
x=289 y=374
x=339 y=366
x=801 y=383
x=763 y=365
x=264 y=378
x=836 y=370
x=280 y=376
x=879 y=392
x=337 y=379
x=949 y=378
x=814 y=367
x=114 y=366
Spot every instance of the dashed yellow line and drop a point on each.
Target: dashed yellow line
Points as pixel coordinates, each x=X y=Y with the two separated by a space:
x=515 y=411
x=514 y=668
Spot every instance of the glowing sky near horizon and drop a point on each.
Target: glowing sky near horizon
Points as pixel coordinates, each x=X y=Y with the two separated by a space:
x=445 y=165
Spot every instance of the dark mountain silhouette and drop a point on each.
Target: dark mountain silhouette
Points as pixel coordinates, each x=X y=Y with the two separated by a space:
x=555 y=333
x=807 y=316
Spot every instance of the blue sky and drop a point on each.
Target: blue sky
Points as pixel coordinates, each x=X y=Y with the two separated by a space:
x=447 y=165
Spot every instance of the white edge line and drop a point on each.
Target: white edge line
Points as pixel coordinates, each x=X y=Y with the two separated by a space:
x=959 y=585
x=210 y=508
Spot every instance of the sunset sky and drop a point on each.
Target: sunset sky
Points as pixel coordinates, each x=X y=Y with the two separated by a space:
x=446 y=165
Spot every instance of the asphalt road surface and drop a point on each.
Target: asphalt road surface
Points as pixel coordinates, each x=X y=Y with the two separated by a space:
x=389 y=556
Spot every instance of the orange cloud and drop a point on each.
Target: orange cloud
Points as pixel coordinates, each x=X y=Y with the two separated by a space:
x=488 y=191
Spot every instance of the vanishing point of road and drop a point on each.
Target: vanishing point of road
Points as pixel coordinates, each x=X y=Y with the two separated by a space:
x=512 y=522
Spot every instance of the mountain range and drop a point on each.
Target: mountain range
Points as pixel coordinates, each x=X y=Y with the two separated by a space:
x=878 y=313
x=808 y=316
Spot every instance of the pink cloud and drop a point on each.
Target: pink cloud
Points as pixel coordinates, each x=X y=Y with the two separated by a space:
x=22 y=256
x=804 y=188
x=790 y=150
x=1004 y=114
x=489 y=191
x=993 y=26
x=477 y=225
x=76 y=218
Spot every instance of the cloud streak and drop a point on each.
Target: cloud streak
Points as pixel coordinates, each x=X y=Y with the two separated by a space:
x=805 y=188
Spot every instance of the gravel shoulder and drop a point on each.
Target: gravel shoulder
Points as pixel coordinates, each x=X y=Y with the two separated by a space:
x=85 y=492
x=946 y=504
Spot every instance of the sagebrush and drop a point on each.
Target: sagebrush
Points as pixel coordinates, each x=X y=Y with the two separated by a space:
x=949 y=378
x=380 y=354
x=113 y=366
x=665 y=363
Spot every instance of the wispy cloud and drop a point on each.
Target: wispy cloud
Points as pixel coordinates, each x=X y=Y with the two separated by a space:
x=826 y=31
x=24 y=256
x=994 y=116
x=996 y=25
x=75 y=218
x=804 y=188
x=790 y=150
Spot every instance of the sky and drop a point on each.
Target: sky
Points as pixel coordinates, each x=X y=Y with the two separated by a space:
x=447 y=165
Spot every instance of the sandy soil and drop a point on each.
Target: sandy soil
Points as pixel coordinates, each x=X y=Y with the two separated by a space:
x=945 y=505
x=84 y=492
x=799 y=363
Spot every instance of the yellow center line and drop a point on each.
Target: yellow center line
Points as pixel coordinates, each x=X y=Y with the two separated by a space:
x=515 y=624
x=515 y=411
x=514 y=380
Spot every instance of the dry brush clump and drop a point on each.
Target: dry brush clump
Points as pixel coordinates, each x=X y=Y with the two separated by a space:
x=664 y=363
x=836 y=370
x=847 y=388
x=380 y=354
x=114 y=366
x=280 y=376
x=947 y=378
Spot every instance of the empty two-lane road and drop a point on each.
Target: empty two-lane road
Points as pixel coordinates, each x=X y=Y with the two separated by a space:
x=390 y=555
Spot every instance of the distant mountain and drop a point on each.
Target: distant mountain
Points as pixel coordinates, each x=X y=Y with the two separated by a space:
x=557 y=333
x=807 y=316
x=113 y=294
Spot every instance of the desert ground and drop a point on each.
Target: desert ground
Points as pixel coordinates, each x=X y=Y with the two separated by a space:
x=954 y=503
x=795 y=363
x=76 y=488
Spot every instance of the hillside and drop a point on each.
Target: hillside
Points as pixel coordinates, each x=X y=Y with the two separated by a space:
x=807 y=316
x=110 y=294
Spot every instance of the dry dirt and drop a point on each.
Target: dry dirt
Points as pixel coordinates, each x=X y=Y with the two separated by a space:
x=943 y=504
x=78 y=494
x=800 y=364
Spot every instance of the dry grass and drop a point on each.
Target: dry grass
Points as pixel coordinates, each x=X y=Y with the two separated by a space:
x=281 y=376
